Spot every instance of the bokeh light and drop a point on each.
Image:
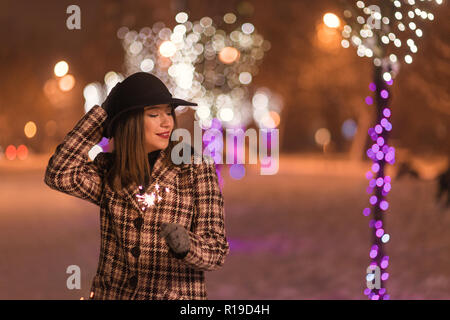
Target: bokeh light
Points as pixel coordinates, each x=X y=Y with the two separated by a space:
x=30 y=129
x=67 y=82
x=331 y=20
x=61 y=68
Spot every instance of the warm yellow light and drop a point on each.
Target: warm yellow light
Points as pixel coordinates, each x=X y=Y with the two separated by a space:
x=331 y=20
x=66 y=83
x=275 y=117
x=228 y=55
x=167 y=49
x=61 y=68
x=30 y=129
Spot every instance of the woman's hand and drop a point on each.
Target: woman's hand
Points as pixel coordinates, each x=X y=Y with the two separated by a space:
x=176 y=236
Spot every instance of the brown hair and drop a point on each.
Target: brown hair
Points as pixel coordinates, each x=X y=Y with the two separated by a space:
x=130 y=161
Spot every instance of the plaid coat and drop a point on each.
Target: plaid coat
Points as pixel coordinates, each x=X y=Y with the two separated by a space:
x=135 y=262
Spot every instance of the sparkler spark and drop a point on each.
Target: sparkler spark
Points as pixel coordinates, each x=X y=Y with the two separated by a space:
x=149 y=199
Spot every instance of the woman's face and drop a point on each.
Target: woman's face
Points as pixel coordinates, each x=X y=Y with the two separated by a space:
x=158 y=125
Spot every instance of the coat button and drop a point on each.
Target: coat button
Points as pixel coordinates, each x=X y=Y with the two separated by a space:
x=138 y=222
x=135 y=251
x=132 y=282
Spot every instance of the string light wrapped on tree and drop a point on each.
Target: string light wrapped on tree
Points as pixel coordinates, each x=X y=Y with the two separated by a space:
x=386 y=32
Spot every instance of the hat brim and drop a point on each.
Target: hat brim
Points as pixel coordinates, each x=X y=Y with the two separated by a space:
x=173 y=102
x=180 y=102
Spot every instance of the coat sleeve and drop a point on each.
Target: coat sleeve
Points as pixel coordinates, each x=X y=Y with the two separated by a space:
x=208 y=243
x=69 y=169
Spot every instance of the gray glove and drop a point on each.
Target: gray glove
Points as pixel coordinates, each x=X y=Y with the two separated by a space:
x=177 y=238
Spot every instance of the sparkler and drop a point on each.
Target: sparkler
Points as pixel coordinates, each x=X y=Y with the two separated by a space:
x=149 y=199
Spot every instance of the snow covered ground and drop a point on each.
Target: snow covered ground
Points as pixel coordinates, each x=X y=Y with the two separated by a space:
x=299 y=234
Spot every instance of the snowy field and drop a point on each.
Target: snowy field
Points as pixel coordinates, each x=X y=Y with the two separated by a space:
x=299 y=234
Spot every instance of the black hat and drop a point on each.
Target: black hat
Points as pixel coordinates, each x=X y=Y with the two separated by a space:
x=139 y=90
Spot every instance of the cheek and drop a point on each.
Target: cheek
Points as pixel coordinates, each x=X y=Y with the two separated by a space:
x=148 y=126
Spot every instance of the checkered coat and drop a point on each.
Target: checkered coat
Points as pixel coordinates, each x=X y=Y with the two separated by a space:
x=135 y=262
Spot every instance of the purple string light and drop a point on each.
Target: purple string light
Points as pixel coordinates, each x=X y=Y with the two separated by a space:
x=379 y=187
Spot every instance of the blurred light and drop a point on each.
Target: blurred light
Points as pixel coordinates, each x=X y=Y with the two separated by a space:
x=50 y=128
x=203 y=112
x=61 y=68
x=237 y=171
x=226 y=114
x=122 y=32
x=331 y=20
x=111 y=79
x=167 y=49
x=147 y=65
x=10 y=152
x=247 y=28
x=369 y=100
x=181 y=17
x=345 y=43
x=229 y=18
x=228 y=55
x=30 y=129
x=349 y=128
x=22 y=152
x=51 y=88
x=66 y=83
x=136 y=47
x=92 y=95
x=408 y=59
x=245 y=77
x=260 y=101
x=271 y=120
x=322 y=136
x=375 y=167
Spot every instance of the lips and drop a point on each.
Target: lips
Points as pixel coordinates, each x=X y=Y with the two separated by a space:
x=164 y=135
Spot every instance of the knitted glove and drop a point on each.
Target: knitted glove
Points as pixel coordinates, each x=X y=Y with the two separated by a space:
x=177 y=238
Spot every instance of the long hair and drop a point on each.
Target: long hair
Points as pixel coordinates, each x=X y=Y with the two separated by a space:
x=130 y=161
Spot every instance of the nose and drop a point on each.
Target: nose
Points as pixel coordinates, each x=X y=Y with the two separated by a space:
x=166 y=120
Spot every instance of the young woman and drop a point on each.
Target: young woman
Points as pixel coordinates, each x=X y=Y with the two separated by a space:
x=161 y=224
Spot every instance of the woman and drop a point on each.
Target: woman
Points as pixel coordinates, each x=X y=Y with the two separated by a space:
x=162 y=225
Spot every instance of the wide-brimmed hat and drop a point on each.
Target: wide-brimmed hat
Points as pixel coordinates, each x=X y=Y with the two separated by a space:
x=137 y=91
